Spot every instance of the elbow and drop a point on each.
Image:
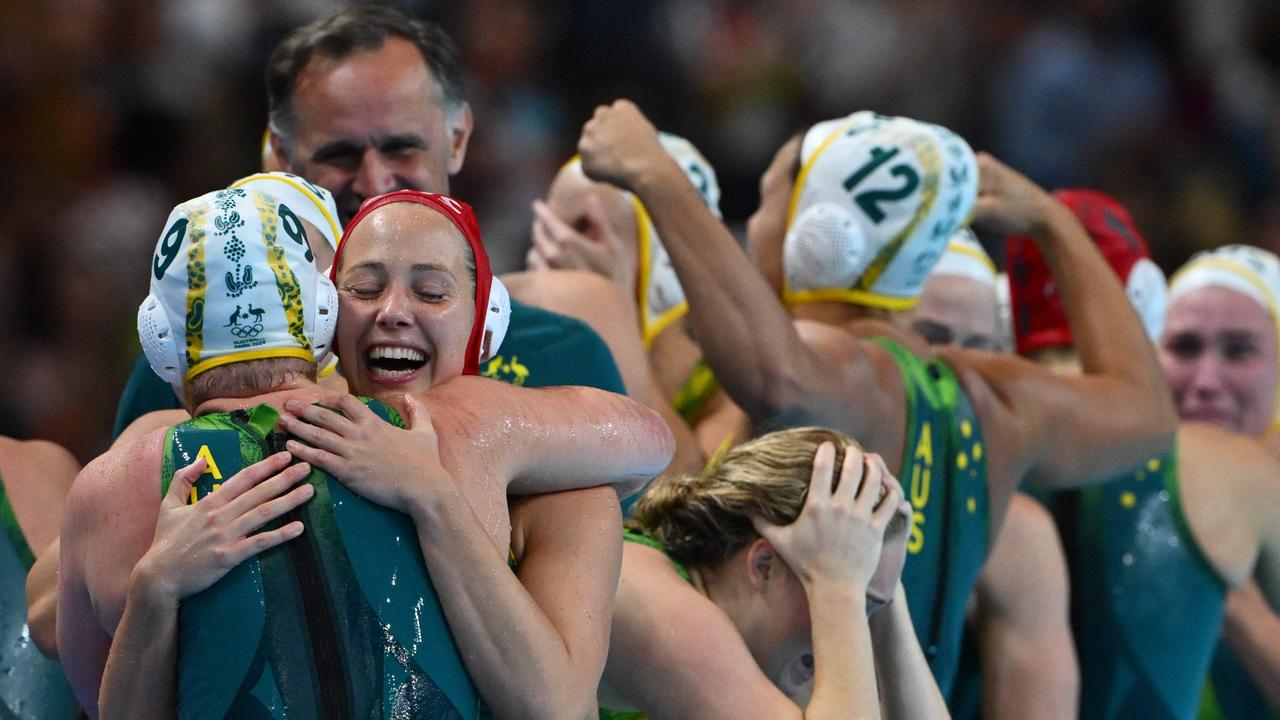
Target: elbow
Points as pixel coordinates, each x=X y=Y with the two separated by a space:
x=779 y=402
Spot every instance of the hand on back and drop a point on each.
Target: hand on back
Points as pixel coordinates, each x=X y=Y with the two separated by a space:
x=195 y=545
x=394 y=467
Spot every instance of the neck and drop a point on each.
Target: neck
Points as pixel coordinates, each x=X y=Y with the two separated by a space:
x=293 y=388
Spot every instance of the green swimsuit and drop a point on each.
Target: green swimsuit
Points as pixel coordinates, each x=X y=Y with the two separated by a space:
x=342 y=622
x=944 y=473
x=1146 y=606
x=32 y=686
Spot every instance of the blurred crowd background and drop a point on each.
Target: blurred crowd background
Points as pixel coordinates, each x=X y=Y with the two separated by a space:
x=112 y=111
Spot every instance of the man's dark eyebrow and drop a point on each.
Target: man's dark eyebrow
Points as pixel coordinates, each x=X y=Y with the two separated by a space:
x=403 y=141
x=337 y=149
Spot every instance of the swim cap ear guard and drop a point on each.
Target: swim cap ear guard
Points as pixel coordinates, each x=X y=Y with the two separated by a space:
x=872 y=208
x=825 y=248
x=493 y=302
x=233 y=280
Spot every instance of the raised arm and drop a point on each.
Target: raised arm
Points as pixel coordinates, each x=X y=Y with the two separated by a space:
x=746 y=334
x=1119 y=412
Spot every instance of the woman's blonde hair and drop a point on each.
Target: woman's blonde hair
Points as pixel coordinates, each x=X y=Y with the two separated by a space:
x=701 y=521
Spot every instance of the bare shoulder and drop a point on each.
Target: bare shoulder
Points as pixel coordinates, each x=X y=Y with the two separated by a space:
x=149 y=423
x=122 y=481
x=663 y=624
x=1208 y=454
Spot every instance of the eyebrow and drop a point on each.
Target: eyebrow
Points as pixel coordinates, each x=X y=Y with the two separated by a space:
x=384 y=143
x=399 y=142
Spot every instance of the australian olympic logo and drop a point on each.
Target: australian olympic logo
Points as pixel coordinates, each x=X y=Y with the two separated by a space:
x=247 y=330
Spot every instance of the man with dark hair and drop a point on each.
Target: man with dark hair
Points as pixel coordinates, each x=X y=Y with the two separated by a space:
x=366 y=101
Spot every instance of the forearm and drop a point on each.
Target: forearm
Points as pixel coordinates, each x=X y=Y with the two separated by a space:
x=1252 y=631
x=140 y=680
x=1109 y=337
x=745 y=333
x=514 y=655
x=844 y=679
x=909 y=691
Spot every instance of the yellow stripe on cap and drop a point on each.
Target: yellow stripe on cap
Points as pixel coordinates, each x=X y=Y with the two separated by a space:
x=286 y=281
x=850 y=295
x=260 y=354
x=803 y=175
x=962 y=249
x=197 y=283
x=650 y=329
x=334 y=227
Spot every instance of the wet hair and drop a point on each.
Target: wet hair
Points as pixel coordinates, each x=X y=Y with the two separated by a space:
x=702 y=521
x=247 y=378
x=355 y=29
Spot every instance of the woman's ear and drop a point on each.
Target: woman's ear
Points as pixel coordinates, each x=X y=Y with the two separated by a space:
x=760 y=560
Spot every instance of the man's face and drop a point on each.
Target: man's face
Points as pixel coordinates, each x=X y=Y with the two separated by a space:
x=371 y=123
x=957 y=310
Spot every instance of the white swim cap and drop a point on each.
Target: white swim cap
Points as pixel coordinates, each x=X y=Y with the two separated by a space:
x=311 y=202
x=965 y=257
x=873 y=206
x=659 y=294
x=1251 y=271
x=233 y=280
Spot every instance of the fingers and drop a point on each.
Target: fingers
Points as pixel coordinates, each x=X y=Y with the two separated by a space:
x=872 y=481
x=255 y=544
x=533 y=260
x=247 y=478
x=266 y=489
x=824 y=461
x=851 y=474
x=317 y=417
x=265 y=512
x=330 y=462
x=417 y=417
x=357 y=411
x=312 y=434
x=891 y=504
x=768 y=530
x=182 y=482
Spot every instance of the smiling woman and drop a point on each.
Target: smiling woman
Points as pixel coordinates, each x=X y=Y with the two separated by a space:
x=413 y=278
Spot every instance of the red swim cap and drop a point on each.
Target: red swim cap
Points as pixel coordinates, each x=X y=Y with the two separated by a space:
x=1039 y=319
x=463 y=218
